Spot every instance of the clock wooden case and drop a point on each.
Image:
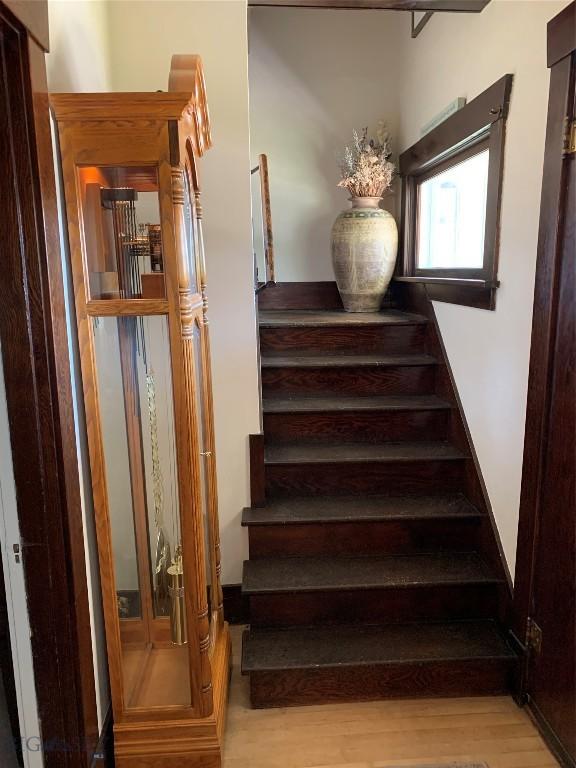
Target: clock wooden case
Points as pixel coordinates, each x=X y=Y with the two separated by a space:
x=131 y=179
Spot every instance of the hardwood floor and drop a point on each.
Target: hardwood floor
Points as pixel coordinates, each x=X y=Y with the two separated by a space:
x=379 y=734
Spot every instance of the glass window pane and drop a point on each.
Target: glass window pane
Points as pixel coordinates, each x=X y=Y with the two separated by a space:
x=451 y=216
x=190 y=228
x=135 y=398
x=117 y=466
x=122 y=234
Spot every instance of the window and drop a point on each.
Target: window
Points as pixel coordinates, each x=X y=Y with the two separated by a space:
x=451 y=202
x=452 y=215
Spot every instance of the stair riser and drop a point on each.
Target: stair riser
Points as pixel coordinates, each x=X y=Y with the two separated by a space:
x=357 y=426
x=363 y=538
x=373 y=682
x=386 y=380
x=374 y=606
x=370 y=478
x=391 y=339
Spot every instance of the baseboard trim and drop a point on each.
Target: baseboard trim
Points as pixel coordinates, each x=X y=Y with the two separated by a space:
x=298 y=295
x=320 y=295
x=552 y=741
x=236 y=605
x=104 y=753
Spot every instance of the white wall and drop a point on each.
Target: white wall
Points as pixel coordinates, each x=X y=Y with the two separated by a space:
x=461 y=55
x=315 y=75
x=317 y=56
x=80 y=58
x=79 y=62
x=143 y=36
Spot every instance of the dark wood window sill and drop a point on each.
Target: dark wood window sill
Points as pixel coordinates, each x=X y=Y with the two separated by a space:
x=480 y=294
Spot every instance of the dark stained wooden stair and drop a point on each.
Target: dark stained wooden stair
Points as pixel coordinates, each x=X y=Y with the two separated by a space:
x=325 y=664
x=373 y=571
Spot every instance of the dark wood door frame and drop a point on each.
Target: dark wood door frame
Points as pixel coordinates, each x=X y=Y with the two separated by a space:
x=561 y=50
x=39 y=400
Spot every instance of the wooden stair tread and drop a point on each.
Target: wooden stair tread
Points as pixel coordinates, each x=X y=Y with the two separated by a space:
x=418 y=643
x=346 y=361
x=314 y=574
x=343 y=404
x=312 y=318
x=330 y=509
x=328 y=453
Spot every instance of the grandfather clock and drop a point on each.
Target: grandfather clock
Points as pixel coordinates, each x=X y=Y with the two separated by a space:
x=130 y=165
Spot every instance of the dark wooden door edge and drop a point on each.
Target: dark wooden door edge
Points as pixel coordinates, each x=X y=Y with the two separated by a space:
x=561 y=47
x=38 y=390
x=33 y=16
x=542 y=321
x=561 y=34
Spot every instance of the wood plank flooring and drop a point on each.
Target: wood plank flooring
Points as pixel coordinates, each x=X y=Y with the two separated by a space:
x=382 y=734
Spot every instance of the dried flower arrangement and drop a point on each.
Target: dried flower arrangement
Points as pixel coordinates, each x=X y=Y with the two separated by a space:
x=365 y=167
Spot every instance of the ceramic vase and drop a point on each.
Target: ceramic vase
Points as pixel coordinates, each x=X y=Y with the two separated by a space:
x=364 y=249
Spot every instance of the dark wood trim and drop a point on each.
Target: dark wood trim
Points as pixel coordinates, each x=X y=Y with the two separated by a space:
x=469 y=293
x=257 y=474
x=33 y=16
x=416 y=298
x=321 y=295
x=477 y=145
x=478 y=126
x=463 y=6
x=551 y=225
x=484 y=298
x=38 y=392
x=561 y=35
x=464 y=282
x=47 y=202
x=297 y=295
x=236 y=605
x=416 y=28
x=460 y=130
x=552 y=742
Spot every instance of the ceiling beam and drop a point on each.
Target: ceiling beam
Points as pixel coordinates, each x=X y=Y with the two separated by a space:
x=465 y=6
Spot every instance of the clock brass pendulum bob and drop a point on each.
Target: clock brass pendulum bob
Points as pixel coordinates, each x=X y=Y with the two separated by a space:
x=178 y=628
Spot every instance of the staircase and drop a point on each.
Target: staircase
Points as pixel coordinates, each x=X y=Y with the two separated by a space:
x=374 y=570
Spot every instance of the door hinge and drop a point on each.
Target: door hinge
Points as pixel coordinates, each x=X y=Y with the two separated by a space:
x=533 y=636
x=569 y=141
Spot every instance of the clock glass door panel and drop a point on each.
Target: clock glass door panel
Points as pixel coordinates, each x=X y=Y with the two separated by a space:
x=135 y=396
x=122 y=234
x=191 y=235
